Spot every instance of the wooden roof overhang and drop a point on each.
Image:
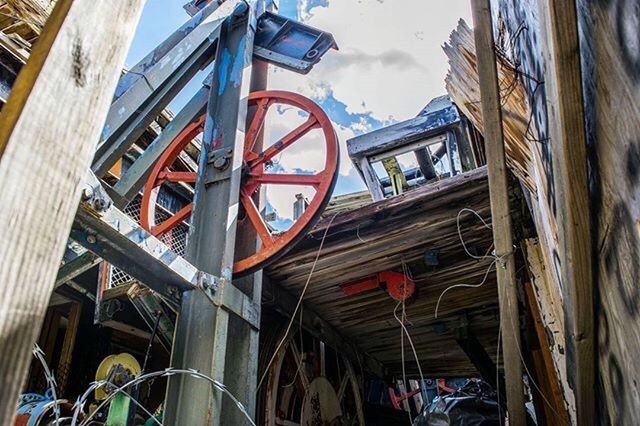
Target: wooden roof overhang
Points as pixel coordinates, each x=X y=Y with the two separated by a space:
x=384 y=235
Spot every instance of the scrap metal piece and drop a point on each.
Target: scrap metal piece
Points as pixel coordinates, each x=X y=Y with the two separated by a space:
x=113 y=236
x=147 y=88
x=399 y=286
x=290 y=44
x=437 y=134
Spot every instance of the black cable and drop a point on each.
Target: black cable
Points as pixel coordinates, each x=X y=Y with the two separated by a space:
x=154 y=331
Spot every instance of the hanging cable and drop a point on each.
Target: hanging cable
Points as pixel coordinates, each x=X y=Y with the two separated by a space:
x=295 y=376
x=147 y=355
x=404 y=376
x=487 y=255
x=404 y=330
x=502 y=262
x=298 y=305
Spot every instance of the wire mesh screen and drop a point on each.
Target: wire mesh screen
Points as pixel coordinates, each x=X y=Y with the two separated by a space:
x=175 y=239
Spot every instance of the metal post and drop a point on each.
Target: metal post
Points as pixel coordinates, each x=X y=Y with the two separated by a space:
x=241 y=371
x=201 y=333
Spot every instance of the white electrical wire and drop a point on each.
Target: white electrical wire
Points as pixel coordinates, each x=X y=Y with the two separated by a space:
x=295 y=311
x=502 y=261
x=464 y=246
x=404 y=376
x=403 y=332
x=486 y=225
x=484 y=280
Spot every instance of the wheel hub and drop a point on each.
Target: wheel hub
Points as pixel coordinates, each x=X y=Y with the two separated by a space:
x=255 y=174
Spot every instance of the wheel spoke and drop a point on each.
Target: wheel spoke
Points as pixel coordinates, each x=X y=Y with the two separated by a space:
x=297 y=356
x=285 y=142
x=257 y=123
x=343 y=386
x=256 y=219
x=173 y=221
x=289 y=179
x=281 y=422
x=186 y=177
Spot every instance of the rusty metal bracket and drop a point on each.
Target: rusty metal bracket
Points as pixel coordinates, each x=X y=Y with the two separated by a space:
x=221 y=160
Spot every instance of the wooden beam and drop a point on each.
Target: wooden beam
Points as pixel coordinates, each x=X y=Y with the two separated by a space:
x=546 y=377
x=68 y=345
x=479 y=357
x=48 y=130
x=549 y=306
x=502 y=233
x=563 y=87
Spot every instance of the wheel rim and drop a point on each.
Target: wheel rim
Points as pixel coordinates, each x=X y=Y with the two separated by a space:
x=273 y=245
x=283 y=399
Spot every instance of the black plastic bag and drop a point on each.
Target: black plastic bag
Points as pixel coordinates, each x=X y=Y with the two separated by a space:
x=474 y=404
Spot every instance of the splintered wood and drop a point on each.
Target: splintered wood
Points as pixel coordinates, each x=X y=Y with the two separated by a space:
x=33 y=13
x=21 y=22
x=464 y=88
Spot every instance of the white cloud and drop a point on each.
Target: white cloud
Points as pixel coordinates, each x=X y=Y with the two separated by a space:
x=390 y=62
x=307 y=154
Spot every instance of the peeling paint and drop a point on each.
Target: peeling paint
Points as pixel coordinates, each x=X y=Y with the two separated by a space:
x=238 y=63
x=223 y=70
x=106 y=131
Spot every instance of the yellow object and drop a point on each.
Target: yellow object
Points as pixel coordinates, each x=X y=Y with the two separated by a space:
x=125 y=360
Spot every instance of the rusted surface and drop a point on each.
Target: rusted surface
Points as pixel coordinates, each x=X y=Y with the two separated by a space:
x=254 y=176
x=382 y=236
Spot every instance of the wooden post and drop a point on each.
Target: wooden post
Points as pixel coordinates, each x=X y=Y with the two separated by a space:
x=48 y=132
x=546 y=376
x=68 y=345
x=563 y=87
x=500 y=211
x=479 y=357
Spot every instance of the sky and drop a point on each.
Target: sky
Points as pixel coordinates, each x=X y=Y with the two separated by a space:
x=389 y=65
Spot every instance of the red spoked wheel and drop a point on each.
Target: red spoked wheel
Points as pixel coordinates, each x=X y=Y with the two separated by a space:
x=255 y=175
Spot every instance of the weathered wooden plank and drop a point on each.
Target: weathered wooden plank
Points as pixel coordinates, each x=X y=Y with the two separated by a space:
x=547 y=377
x=48 y=131
x=551 y=312
x=68 y=345
x=609 y=51
x=569 y=149
x=435 y=189
x=463 y=86
x=383 y=236
x=500 y=211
